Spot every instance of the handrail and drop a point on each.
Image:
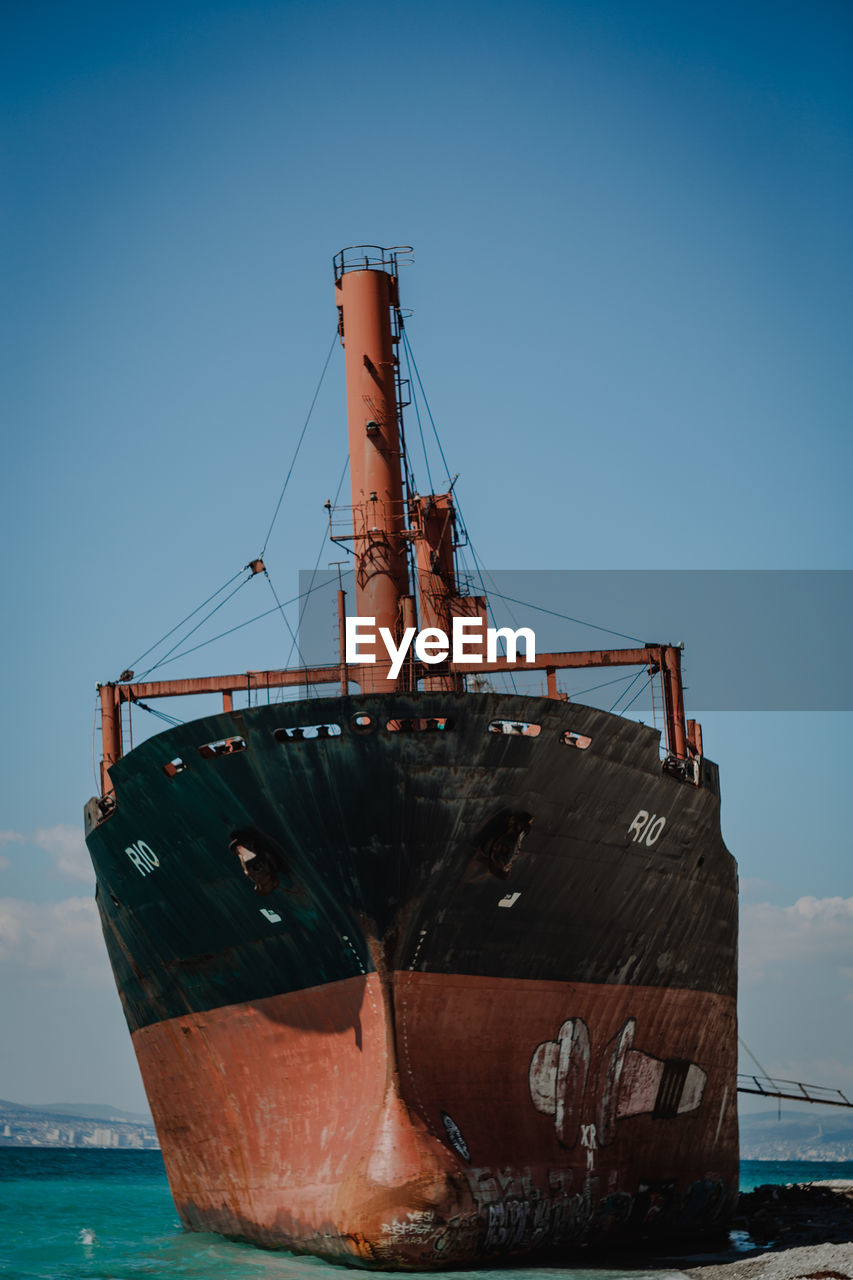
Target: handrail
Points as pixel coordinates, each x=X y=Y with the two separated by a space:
x=665 y=659
x=795 y=1090
x=368 y=257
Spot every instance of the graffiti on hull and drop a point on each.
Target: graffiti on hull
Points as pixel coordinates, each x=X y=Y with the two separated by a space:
x=587 y=1101
x=587 y=1091
x=515 y=1214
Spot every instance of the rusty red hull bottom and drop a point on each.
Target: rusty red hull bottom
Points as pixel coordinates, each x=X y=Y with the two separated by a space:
x=427 y=1120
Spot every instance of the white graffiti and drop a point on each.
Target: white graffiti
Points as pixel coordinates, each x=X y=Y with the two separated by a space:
x=647 y=828
x=509 y=900
x=557 y=1078
x=418 y=1222
x=143 y=857
x=588 y=1141
x=625 y=1082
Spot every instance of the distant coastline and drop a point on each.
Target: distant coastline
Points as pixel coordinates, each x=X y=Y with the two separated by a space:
x=814 y=1135
x=72 y=1125
x=796 y=1136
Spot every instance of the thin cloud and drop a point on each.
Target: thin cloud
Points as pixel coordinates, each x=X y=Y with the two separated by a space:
x=57 y=942
x=812 y=931
x=65 y=845
x=753 y=888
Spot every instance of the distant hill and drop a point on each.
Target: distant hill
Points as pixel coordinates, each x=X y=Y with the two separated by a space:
x=86 y=1111
x=95 y=1111
x=74 y=1124
x=816 y=1134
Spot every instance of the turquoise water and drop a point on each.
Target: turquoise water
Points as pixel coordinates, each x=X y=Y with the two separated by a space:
x=108 y=1215
x=754 y=1173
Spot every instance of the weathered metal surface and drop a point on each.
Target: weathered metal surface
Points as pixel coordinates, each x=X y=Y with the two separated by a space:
x=433 y=520
x=386 y=825
x=406 y=1120
x=382 y=910
x=111 y=745
x=381 y=566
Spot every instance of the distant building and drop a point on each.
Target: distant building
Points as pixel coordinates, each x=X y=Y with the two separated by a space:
x=104 y=1138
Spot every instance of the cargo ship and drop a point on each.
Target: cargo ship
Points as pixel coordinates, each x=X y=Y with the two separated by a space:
x=420 y=974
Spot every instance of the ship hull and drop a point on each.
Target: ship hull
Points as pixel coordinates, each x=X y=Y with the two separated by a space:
x=464 y=1009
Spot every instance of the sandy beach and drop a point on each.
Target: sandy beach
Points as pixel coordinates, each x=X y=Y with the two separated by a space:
x=808 y=1262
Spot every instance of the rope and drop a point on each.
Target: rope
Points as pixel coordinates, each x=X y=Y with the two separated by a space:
x=641 y=672
x=239 y=627
x=763 y=1070
x=178 y=625
x=417 y=414
x=605 y=685
x=408 y=475
x=161 y=715
x=298 y=446
x=410 y=361
x=311 y=586
x=642 y=689
x=193 y=630
x=410 y=356
x=286 y=621
x=278 y=607
x=412 y=364
x=566 y=618
x=488 y=601
x=94 y=755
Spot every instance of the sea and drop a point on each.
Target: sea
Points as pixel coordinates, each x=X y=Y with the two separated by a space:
x=71 y=1214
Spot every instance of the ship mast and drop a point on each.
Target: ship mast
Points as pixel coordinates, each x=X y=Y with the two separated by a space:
x=368 y=307
x=389 y=527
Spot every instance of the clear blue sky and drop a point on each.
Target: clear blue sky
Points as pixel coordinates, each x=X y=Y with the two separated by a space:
x=631 y=304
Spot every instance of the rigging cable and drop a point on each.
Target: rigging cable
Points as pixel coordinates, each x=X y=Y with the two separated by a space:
x=593 y=688
x=311 y=586
x=286 y=620
x=488 y=594
x=408 y=474
x=178 y=625
x=641 y=672
x=566 y=618
x=488 y=601
x=94 y=755
x=298 y=446
x=240 y=625
x=410 y=360
x=642 y=689
x=410 y=357
x=161 y=715
x=450 y=482
x=763 y=1070
x=417 y=410
x=412 y=364
x=607 y=630
x=192 y=631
